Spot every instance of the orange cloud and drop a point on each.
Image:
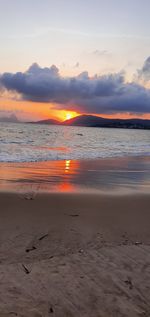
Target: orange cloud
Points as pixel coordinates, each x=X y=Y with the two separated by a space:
x=28 y=111
x=124 y=115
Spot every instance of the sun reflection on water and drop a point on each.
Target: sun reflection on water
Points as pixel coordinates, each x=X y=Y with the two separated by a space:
x=71 y=175
x=67 y=166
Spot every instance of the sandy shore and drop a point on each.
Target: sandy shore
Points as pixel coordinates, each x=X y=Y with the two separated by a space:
x=74 y=255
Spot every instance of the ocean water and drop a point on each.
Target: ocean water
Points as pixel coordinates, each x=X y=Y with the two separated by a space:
x=35 y=143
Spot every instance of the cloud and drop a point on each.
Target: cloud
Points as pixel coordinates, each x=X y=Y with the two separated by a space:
x=77 y=65
x=8 y=116
x=144 y=72
x=99 y=94
x=100 y=53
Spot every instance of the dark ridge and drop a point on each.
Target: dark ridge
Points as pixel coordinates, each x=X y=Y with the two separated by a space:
x=99 y=122
x=47 y=121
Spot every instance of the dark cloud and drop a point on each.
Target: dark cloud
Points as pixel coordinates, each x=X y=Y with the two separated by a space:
x=99 y=94
x=144 y=73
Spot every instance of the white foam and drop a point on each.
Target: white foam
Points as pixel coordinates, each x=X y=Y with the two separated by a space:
x=31 y=143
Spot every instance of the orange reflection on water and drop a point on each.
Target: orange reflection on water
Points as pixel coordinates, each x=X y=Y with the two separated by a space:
x=67 y=166
x=51 y=175
x=71 y=176
x=65 y=187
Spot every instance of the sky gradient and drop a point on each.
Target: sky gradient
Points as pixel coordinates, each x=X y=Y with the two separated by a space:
x=100 y=50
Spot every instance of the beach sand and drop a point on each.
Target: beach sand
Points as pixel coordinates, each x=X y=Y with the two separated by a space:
x=84 y=255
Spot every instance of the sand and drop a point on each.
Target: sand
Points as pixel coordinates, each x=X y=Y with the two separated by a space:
x=74 y=255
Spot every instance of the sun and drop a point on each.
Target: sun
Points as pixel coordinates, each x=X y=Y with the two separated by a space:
x=69 y=116
x=64 y=115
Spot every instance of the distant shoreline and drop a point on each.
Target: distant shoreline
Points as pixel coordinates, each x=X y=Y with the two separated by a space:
x=102 y=122
x=92 y=122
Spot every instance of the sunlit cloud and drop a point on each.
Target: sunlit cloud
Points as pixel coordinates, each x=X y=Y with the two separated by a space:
x=144 y=72
x=105 y=94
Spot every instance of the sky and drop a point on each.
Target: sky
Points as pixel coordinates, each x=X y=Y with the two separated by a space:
x=62 y=58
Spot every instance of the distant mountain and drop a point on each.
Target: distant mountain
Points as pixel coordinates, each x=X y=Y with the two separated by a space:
x=89 y=121
x=85 y=120
x=12 y=118
x=47 y=121
x=99 y=122
x=95 y=121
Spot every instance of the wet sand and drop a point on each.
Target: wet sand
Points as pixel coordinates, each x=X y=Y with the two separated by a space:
x=120 y=174
x=85 y=255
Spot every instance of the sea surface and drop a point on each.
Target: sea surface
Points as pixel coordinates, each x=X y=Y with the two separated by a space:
x=41 y=158
x=35 y=143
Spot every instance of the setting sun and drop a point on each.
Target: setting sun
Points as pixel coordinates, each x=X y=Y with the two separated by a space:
x=68 y=116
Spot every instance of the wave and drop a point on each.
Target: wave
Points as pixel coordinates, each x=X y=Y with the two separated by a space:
x=36 y=143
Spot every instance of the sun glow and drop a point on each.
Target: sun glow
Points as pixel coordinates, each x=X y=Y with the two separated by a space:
x=63 y=115
x=68 y=116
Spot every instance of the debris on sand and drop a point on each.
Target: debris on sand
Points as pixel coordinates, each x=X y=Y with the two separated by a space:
x=51 y=310
x=26 y=269
x=138 y=243
x=129 y=283
x=31 y=249
x=43 y=237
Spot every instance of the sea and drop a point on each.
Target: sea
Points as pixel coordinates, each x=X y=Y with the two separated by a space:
x=42 y=158
x=35 y=143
